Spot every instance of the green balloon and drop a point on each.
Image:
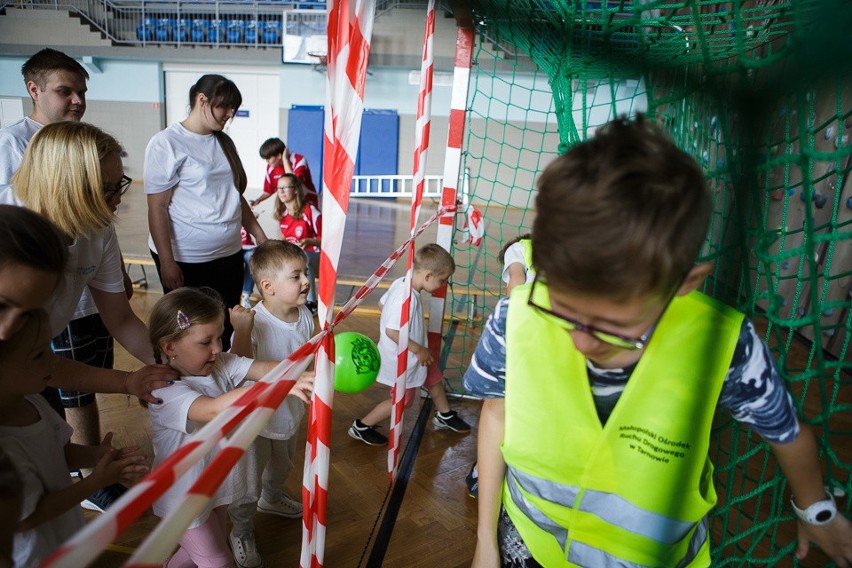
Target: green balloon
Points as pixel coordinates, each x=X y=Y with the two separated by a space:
x=356 y=362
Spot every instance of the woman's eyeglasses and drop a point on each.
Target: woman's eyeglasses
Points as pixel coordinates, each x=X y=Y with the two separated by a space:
x=608 y=337
x=119 y=189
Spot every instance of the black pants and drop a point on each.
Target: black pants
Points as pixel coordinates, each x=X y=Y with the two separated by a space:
x=225 y=275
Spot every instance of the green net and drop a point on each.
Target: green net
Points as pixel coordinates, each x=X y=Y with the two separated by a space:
x=760 y=94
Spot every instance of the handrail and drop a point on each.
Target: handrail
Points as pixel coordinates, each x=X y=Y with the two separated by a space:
x=212 y=23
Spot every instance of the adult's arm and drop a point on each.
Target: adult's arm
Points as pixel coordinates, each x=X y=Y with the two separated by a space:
x=73 y=375
x=160 y=226
x=492 y=469
x=123 y=324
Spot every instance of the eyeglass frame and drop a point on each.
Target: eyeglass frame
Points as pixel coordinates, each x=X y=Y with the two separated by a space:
x=120 y=188
x=629 y=343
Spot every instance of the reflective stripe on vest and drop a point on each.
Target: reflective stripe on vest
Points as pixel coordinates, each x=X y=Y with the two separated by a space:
x=635 y=490
x=610 y=507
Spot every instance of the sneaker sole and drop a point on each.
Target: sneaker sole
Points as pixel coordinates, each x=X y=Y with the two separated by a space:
x=442 y=426
x=88 y=505
x=355 y=436
x=279 y=513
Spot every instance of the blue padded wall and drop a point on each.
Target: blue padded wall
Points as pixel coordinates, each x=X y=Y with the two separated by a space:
x=378 y=149
x=304 y=136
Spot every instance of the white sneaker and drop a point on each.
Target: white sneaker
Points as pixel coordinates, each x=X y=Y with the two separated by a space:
x=288 y=507
x=245 y=551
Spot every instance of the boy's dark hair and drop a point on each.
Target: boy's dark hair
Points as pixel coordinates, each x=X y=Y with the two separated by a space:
x=502 y=256
x=272 y=147
x=269 y=257
x=623 y=214
x=45 y=62
x=434 y=258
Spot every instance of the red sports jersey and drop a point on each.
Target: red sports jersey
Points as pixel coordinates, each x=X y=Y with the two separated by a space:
x=308 y=227
x=300 y=170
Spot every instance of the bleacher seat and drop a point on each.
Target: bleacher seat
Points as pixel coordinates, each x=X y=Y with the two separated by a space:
x=235 y=31
x=182 y=28
x=216 y=31
x=271 y=31
x=145 y=29
x=198 y=30
x=251 y=33
x=165 y=29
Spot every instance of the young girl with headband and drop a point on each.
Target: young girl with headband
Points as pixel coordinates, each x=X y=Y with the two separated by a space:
x=185 y=329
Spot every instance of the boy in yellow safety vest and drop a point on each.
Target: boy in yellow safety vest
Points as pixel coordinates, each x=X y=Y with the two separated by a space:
x=602 y=376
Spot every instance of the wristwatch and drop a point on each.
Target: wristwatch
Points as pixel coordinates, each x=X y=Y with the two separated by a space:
x=819 y=513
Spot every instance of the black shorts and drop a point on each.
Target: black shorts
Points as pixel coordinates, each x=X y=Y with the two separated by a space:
x=85 y=340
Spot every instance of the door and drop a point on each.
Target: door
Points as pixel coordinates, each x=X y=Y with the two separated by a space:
x=256 y=120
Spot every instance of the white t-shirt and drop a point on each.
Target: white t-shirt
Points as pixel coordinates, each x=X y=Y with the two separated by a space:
x=274 y=340
x=38 y=452
x=172 y=428
x=205 y=206
x=13 y=143
x=14 y=140
x=513 y=254
x=93 y=260
x=391 y=303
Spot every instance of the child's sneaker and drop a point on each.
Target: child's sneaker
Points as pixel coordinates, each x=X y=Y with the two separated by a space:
x=245 y=301
x=103 y=498
x=366 y=434
x=287 y=507
x=245 y=551
x=450 y=420
x=472 y=481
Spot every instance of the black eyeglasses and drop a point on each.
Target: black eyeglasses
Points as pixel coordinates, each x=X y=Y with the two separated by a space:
x=608 y=337
x=120 y=188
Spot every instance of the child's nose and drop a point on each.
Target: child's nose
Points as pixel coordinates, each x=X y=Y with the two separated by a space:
x=584 y=341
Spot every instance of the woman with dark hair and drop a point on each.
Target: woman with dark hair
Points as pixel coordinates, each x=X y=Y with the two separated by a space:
x=195 y=181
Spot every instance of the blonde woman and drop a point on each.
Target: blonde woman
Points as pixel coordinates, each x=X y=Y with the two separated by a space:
x=73 y=175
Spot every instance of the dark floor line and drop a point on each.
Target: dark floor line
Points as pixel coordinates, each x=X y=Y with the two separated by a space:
x=406 y=465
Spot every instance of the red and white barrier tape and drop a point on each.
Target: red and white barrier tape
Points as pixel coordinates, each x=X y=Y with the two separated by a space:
x=421 y=147
x=350 y=27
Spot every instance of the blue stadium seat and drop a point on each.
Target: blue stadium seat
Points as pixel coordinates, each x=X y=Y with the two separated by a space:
x=216 y=31
x=271 y=32
x=145 y=29
x=165 y=28
x=235 y=31
x=252 y=36
x=198 y=30
x=182 y=28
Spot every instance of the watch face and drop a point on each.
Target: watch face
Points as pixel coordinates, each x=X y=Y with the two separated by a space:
x=823 y=516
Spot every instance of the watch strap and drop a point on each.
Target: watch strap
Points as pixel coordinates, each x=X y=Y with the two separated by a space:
x=818 y=513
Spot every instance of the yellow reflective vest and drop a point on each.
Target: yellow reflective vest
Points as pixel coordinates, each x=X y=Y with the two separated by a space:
x=633 y=492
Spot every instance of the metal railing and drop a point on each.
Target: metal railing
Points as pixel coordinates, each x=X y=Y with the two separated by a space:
x=212 y=23
x=390 y=186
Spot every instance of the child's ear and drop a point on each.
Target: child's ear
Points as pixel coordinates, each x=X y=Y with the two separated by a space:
x=695 y=277
x=168 y=349
x=265 y=286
